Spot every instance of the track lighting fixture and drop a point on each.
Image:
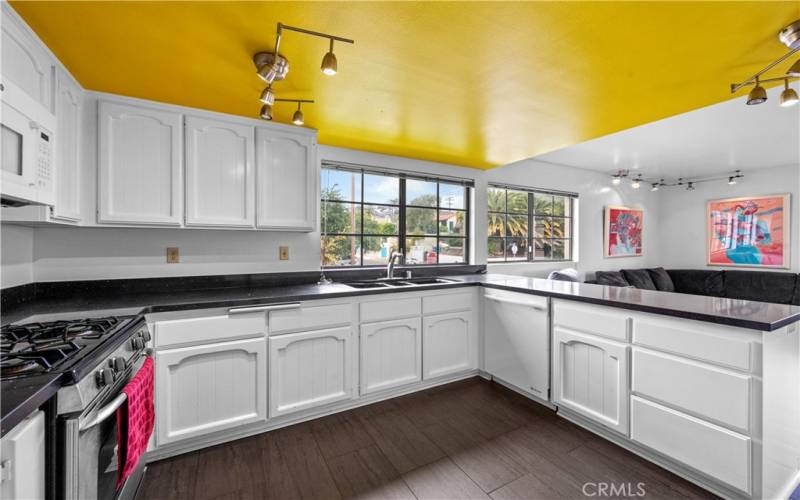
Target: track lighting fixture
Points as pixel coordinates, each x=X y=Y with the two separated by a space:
x=789 y=36
x=267 y=96
x=329 y=64
x=788 y=96
x=757 y=96
x=272 y=67
x=690 y=185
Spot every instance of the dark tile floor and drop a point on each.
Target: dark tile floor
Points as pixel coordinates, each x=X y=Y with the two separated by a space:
x=469 y=439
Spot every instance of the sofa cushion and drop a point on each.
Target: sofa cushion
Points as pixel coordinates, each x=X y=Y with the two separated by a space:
x=639 y=278
x=698 y=281
x=761 y=286
x=610 y=278
x=796 y=300
x=661 y=279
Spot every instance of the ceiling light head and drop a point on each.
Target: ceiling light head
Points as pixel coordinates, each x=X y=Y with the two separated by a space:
x=788 y=96
x=267 y=96
x=329 y=65
x=790 y=35
x=297 y=117
x=270 y=67
x=654 y=187
x=794 y=69
x=266 y=112
x=690 y=186
x=757 y=96
x=637 y=183
x=616 y=180
x=732 y=180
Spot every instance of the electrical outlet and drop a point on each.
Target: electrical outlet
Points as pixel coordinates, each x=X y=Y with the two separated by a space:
x=284 y=253
x=173 y=255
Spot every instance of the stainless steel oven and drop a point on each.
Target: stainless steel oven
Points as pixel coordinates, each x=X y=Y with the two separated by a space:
x=89 y=435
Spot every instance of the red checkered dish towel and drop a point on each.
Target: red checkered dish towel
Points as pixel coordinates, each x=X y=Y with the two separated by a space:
x=135 y=420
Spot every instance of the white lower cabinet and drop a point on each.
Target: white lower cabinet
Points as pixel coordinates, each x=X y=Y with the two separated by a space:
x=516 y=340
x=391 y=354
x=708 y=448
x=448 y=344
x=590 y=377
x=210 y=387
x=310 y=369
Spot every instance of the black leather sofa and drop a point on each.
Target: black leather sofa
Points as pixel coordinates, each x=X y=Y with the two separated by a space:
x=761 y=286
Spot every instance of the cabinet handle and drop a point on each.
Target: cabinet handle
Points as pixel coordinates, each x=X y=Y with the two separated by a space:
x=272 y=307
x=516 y=303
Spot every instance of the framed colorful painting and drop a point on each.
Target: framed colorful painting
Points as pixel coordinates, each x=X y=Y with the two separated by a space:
x=624 y=227
x=751 y=231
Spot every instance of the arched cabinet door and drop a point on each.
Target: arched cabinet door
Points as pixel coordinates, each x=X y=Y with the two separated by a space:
x=219 y=173
x=448 y=344
x=391 y=354
x=287 y=179
x=69 y=104
x=207 y=388
x=310 y=369
x=591 y=377
x=140 y=158
x=26 y=61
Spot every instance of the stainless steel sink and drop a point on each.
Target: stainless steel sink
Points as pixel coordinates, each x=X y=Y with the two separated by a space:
x=396 y=282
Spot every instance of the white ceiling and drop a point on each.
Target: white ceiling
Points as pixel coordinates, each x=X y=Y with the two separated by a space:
x=708 y=141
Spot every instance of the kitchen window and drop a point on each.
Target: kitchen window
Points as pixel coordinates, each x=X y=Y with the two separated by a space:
x=528 y=225
x=368 y=214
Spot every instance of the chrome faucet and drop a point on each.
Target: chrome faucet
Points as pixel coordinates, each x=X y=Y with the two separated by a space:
x=390 y=266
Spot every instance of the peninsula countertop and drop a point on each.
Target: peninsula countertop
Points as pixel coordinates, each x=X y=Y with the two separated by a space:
x=760 y=316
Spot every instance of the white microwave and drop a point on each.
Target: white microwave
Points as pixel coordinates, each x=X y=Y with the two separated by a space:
x=26 y=150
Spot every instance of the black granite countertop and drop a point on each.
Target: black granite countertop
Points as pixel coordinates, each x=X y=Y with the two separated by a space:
x=741 y=313
x=21 y=397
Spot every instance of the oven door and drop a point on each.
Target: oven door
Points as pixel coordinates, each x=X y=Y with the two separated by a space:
x=90 y=448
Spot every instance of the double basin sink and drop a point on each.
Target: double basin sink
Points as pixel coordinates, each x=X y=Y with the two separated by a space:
x=397 y=282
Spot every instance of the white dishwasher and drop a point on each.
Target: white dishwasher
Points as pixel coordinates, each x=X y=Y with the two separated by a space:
x=517 y=340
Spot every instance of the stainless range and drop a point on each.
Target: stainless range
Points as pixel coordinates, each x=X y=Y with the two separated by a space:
x=96 y=358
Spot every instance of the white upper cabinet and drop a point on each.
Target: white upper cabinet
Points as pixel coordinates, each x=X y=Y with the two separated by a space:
x=287 y=179
x=140 y=155
x=219 y=173
x=25 y=61
x=68 y=102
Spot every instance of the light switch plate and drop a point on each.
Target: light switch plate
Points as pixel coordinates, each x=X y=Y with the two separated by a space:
x=284 y=253
x=173 y=255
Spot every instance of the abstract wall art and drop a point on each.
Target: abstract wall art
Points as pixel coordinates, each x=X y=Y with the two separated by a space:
x=751 y=231
x=624 y=227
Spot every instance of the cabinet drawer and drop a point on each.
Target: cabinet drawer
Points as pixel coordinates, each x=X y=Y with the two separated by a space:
x=700 y=389
x=447 y=303
x=310 y=317
x=602 y=321
x=723 y=345
x=381 y=310
x=208 y=329
x=720 y=453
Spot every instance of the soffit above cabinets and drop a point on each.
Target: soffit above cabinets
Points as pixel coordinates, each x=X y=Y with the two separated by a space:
x=477 y=84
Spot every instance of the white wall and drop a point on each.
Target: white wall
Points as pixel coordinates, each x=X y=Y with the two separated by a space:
x=595 y=192
x=16 y=255
x=683 y=214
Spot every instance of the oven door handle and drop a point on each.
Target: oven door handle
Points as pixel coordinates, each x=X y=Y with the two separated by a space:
x=104 y=412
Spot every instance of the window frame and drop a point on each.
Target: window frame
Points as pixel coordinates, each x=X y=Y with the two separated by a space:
x=401 y=235
x=532 y=216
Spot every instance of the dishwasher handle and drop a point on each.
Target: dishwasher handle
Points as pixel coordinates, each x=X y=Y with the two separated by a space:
x=516 y=302
x=264 y=308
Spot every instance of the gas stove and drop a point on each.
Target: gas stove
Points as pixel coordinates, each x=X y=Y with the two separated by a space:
x=36 y=348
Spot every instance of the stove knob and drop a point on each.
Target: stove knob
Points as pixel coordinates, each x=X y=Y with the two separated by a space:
x=119 y=364
x=138 y=344
x=104 y=377
x=145 y=335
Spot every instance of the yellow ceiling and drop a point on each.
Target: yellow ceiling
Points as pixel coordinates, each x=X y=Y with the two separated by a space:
x=477 y=84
